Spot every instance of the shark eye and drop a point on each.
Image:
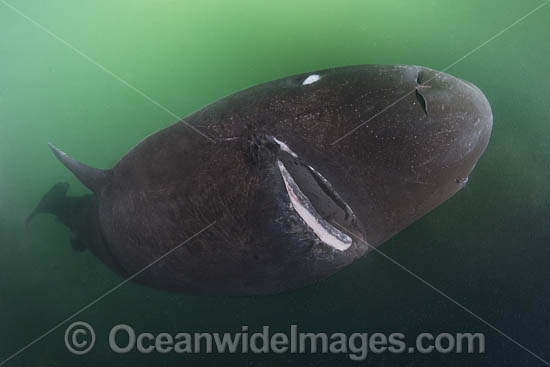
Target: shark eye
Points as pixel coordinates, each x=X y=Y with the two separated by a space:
x=311 y=79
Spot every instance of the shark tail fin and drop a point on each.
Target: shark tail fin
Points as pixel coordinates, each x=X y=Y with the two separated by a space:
x=92 y=178
x=51 y=202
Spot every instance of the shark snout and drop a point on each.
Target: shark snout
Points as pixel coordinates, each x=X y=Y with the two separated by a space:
x=458 y=111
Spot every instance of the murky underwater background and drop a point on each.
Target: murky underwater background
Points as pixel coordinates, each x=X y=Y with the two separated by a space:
x=488 y=247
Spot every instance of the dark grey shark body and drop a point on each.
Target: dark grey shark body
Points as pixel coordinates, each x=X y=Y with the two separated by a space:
x=289 y=206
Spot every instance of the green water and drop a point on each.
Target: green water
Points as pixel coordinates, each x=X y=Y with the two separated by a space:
x=487 y=248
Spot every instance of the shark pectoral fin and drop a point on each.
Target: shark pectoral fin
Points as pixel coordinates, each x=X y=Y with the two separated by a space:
x=92 y=178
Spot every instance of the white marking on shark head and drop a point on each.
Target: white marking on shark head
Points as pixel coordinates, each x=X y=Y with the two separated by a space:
x=311 y=79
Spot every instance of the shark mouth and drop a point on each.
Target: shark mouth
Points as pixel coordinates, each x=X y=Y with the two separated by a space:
x=315 y=200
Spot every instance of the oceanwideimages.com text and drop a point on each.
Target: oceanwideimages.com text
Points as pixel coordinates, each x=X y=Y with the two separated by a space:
x=122 y=338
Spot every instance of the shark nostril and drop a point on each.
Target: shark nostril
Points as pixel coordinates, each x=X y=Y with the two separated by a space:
x=422 y=101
